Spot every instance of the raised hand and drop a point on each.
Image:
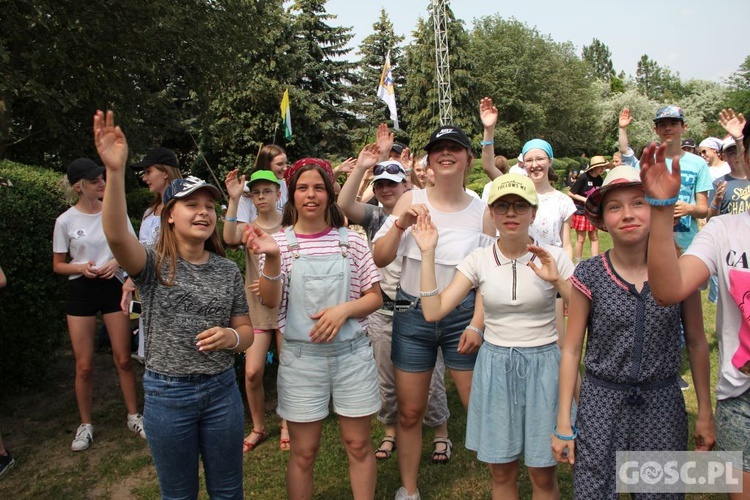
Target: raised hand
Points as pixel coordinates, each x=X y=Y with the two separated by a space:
x=488 y=113
x=368 y=157
x=345 y=166
x=625 y=118
x=732 y=123
x=258 y=242
x=384 y=139
x=410 y=215
x=110 y=141
x=658 y=182
x=235 y=184
x=425 y=233
x=407 y=159
x=547 y=268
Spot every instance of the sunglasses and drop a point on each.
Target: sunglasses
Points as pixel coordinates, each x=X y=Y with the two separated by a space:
x=391 y=168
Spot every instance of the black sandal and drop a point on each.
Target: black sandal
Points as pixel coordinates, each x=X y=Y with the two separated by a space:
x=386 y=453
x=442 y=456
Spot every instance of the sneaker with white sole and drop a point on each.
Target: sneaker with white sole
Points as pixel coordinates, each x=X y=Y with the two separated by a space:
x=135 y=424
x=402 y=494
x=84 y=437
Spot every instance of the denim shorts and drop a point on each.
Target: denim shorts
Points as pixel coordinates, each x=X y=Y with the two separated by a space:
x=733 y=426
x=513 y=404
x=310 y=374
x=416 y=340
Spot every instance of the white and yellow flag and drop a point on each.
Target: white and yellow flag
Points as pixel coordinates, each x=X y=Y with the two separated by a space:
x=386 y=92
x=286 y=115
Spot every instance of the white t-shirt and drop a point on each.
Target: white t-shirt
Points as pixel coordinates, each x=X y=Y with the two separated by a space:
x=719 y=171
x=81 y=236
x=246 y=211
x=148 y=234
x=723 y=245
x=460 y=233
x=519 y=306
x=554 y=209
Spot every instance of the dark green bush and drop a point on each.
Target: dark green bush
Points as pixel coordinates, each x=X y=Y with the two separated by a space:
x=32 y=306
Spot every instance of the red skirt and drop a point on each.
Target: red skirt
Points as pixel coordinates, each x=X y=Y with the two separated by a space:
x=581 y=223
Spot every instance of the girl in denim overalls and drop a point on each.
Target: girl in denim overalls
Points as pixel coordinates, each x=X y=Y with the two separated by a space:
x=325 y=282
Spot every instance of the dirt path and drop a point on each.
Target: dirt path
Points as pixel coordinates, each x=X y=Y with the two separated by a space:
x=38 y=427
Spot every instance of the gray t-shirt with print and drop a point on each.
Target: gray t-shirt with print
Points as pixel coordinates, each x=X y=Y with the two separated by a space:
x=202 y=296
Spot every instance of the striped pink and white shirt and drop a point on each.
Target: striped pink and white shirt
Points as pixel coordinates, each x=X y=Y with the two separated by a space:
x=364 y=273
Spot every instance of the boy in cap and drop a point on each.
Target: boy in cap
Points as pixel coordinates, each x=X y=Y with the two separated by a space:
x=669 y=125
x=688 y=145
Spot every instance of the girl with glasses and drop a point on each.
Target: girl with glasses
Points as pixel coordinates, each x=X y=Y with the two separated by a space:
x=265 y=192
x=513 y=403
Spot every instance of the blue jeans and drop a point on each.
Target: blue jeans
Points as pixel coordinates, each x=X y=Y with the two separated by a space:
x=415 y=341
x=187 y=416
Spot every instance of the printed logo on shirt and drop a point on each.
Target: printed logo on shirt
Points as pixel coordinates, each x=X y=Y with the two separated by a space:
x=78 y=234
x=739 y=289
x=193 y=303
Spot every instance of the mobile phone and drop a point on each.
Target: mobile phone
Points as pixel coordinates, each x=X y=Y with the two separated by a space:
x=135 y=307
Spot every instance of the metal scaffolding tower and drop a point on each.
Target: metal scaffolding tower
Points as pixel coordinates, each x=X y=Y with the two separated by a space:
x=442 y=64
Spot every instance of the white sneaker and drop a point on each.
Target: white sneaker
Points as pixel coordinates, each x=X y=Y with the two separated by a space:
x=135 y=424
x=402 y=494
x=84 y=437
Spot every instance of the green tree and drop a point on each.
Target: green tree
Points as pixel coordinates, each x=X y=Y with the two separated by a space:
x=539 y=86
x=599 y=57
x=242 y=111
x=739 y=88
x=657 y=82
x=321 y=118
x=63 y=60
x=421 y=109
x=367 y=105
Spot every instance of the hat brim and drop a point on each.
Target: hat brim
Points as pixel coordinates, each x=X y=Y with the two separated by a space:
x=594 y=201
x=604 y=165
x=94 y=173
x=389 y=177
x=209 y=187
x=461 y=142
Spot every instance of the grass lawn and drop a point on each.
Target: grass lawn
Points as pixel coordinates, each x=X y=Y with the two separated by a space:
x=38 y=428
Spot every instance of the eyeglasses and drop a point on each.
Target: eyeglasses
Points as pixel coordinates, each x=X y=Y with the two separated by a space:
x=530 y=161
x=519 y=207
x=391 y=168
x=266 y=193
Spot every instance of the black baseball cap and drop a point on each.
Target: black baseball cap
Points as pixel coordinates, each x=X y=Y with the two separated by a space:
x=83 y=168
x=398 y=147
x=688 y=143
x=448 y=133
x=158 y=156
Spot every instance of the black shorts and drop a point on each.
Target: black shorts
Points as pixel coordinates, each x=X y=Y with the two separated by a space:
x=88 y=296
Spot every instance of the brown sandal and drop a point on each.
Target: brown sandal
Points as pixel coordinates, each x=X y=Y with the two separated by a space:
x=249 y=444
x=384 y=453
x=284 y=442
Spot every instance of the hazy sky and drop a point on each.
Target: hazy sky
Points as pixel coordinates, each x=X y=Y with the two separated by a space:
x=692 y=37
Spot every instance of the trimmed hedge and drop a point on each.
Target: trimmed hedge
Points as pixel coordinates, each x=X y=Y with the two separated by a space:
x=32 y=307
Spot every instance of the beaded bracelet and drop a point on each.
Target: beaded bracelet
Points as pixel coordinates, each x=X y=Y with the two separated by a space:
x=237 y=336
x=487 y=143
x=474 y=329
x=566 y=438
x=230 y=219
x=431 y=293
x=656 y=202
x=271 y=278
